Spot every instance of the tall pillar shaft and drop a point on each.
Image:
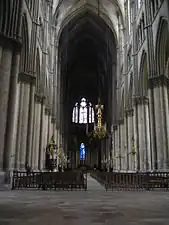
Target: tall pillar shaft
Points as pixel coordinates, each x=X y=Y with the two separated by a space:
x=163 y=125
x=25 y=82
x=24 y=129
x=135 y=140
x=152 y=129
x=13 y=105
x=130 y=135
x=46 y=127
x=30 y=125
x=50 y=130
x=19 y=121
x=118 y=155
x=159 y=129
x=166 y=116
x=125 y=161
x=37 y=133
x=42 y=140
x=141 y=133
x=115 y=148
x=147 y=136
x=160 y=116
x=122 y=152
x=143 y=149
x=5 y=73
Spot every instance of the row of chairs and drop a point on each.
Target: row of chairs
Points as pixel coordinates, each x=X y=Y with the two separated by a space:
x=133 y=181
x=50 y=180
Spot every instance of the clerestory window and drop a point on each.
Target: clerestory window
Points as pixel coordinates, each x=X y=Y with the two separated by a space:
x=83 y=112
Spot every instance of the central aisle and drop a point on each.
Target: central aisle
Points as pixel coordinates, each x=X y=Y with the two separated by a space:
x=92 y=184
x=92 y=207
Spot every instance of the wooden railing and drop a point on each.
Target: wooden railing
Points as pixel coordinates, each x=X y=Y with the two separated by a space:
x=49 y=180
x=133 y=181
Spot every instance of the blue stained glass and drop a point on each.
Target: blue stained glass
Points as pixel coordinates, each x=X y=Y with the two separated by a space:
x=82 y=151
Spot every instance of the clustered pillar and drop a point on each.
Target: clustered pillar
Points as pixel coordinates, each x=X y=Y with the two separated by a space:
x=158 y=97
x=132 y=139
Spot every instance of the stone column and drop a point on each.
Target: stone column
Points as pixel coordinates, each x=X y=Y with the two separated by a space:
x=50 y=130
x=13 y=104
x=135 y=157
x=147 y=135
x=25 y=81
x=118 y=155
x=34 y=137
x=58 y=144
x=130 y=135
x=125 y=143
x=46 y=127
x=140 y=112
x=38 y=106
x=159 y=129
x=159 y=86
x=24 y=129
x=45 y=133
x=5 y=73
x=115 y=147
x=121 y=122
x=19 y=121
x=54 y=127
x=144 y=133
x=42 y=144
x=31 y=123
x=166 y=104
x=152 y=129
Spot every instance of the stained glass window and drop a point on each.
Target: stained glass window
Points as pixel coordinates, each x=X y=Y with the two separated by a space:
x=82 y=151
x=91 y=113
x=83 y=112
x=75 y=113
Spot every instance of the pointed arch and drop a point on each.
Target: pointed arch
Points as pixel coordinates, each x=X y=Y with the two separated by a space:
x=143 y=75
x=162 y=46
x=25 y=45
x=78 y=13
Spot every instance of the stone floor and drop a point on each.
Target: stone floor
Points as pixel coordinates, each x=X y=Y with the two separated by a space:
x=94 y=207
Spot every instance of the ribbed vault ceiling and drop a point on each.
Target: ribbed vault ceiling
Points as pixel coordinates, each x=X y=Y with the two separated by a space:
x=87 y=48
x=88 y=38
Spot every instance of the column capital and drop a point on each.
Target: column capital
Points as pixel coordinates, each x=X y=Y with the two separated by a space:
x=158 y=81
x=120 y=121
x=39 y=98
x=7 y=42
x=115 y=127
x=57 y=125
x=53 y=120
x=129 y=112
x=26 y=78
x=48 y=110
x=140 y=100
